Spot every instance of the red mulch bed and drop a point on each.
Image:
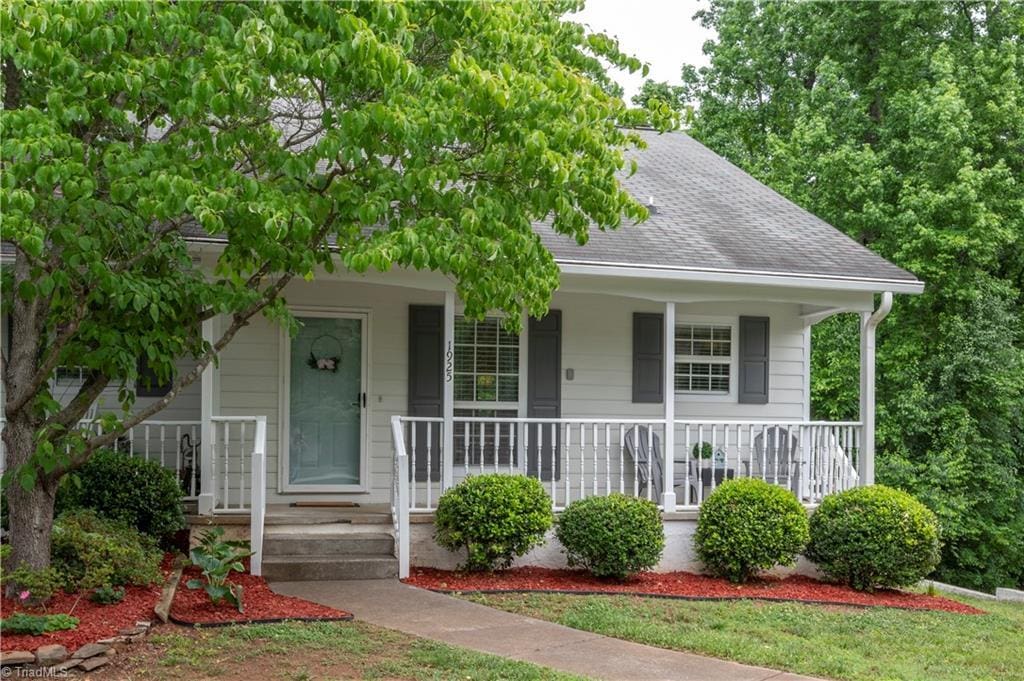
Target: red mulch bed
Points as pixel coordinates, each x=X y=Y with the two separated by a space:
x=679 y=585
x=95 y=621
x=193 y=606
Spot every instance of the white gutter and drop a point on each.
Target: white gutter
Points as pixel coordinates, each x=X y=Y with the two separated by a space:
x=869 y=323
x=768 y=278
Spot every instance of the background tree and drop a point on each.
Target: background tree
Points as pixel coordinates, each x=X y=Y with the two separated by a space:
x=311 y=135
x=902 y=124
x=671 y=95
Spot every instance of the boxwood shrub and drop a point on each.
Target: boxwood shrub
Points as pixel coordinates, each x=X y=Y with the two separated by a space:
x=613 y=536
x=142 y=494
x=874 y=537
x=746 y=526
x=494 y=518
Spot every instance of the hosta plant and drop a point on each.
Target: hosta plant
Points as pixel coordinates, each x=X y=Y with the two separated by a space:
x=217 y=559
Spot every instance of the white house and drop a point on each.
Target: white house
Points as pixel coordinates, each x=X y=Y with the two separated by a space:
x=693 y=327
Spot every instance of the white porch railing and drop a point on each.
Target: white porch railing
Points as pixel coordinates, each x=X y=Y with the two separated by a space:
x=173 y=444
x=577 y=458
x=238 y=472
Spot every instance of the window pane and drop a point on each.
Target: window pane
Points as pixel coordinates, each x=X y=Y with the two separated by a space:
x=486 y=387
x=508 y=388
x=721 y=333
x=699 y=383
x=464 y=330
x=508 y=360
x=721 y=349
x=463 y=387
x=684 y=347
x=702 y=332
x=487 y=332
x=701 y=348
x=486 y=360
x=464 y=358
x=506 y=338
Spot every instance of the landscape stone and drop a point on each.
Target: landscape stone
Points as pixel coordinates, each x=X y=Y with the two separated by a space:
x=133 y=631
x=90 y=650
x=64 y=666
x=93 y=663
x=13 y=657
x=51 y=654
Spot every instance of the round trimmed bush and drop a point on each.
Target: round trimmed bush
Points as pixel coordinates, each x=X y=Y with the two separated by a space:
x=495 y=518
x=613 y=536
x=141 y=494
x=746 y=526
x=874 y=537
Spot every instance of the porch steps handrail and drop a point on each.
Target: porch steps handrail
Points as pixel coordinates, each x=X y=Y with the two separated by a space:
x=400 y=500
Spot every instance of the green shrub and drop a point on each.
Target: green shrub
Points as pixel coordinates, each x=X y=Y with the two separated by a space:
x=91 y=552
x=35 y=587
x=703 y=450
x=872 y=537
x=107 y=595
x=613 y=536
x=37 y=625
x=142 y=494
x=494 y=518
x=748 y=525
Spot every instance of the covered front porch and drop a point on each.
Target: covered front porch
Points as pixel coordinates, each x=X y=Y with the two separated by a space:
x=651 y=389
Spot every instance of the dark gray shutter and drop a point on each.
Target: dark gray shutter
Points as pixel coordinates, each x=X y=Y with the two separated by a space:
x=544 y=393
x=648 y=357
x=426 y=387
x=755 y=338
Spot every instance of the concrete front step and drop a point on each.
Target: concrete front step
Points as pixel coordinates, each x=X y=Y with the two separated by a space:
x=329 y=567
x=311 y=544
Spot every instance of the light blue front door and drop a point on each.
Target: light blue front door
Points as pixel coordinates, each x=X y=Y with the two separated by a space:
x=326 y=404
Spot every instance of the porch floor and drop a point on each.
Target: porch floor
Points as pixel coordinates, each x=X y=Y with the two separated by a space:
x=390 y=603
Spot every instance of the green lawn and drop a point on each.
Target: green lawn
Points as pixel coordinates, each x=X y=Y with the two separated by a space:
x=305 y=651
x=840 y=643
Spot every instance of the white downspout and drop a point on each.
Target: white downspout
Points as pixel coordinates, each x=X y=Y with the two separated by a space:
x=869 y=322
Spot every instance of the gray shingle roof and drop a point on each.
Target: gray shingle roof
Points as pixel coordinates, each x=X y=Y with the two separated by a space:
x=713 y=216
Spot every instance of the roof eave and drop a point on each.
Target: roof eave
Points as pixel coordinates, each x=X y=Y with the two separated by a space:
x=766 y=278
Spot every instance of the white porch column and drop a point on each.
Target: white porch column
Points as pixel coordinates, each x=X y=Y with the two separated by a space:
x=206 y=392
x=868 y=324
x=668 y=497
x=447 y=440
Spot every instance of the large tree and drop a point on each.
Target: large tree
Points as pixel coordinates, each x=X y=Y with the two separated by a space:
x=903 y=125
x=312 y=136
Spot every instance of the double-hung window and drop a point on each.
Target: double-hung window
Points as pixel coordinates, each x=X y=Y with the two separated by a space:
x=486 y=384
x=705 y=358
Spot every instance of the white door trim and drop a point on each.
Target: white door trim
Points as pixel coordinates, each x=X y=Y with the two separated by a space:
x=284 y=402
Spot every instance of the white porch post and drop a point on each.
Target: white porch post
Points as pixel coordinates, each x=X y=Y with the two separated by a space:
x=668 y=497
x=868 y=323
x=447 y=437
x=206 y=482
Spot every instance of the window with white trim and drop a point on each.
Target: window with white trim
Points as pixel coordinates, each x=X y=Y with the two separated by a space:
x=486 y=384
x=704 y=358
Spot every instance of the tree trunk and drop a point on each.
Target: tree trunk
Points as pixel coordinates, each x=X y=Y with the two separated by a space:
x=30 y=513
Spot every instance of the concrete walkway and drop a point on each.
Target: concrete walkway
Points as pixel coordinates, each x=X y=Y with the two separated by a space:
x=389 y=603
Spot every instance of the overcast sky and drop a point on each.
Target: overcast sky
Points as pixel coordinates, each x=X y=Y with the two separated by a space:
x=659 y=32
